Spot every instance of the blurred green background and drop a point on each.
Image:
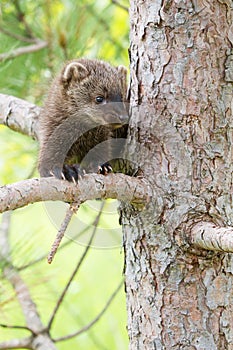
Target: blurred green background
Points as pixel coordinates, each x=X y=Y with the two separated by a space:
x=94 y=29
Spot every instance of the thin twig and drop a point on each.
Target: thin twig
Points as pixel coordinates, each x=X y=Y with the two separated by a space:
x=21 y=18
x=96 y=319
x=36 y=261
x=70 y=212
x=15 y=327
x=17 y=36
x=62 y=296
x=24 y=50
x=41 y=258
x=120 y=5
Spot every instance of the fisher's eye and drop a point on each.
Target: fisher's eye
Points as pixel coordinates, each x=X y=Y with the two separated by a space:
x=100 y=99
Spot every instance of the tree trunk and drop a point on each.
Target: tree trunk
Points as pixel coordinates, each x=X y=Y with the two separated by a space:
x=179 y=296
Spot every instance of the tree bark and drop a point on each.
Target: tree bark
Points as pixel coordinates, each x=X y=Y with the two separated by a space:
x=19 y=115
x=117 y=186
x=179 y=295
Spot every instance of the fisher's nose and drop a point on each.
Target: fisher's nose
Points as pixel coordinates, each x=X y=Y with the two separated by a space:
x=121 y=111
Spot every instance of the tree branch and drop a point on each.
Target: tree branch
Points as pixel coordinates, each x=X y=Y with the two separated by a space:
x=92 y=186
x=40 y=340
x=39 y=45
x=79 y=264
x=24 y=343
x=23 y=295
x=70 y=212
x=19 y=115
x=17 y=36
x=42 y=257
x=21 y=17
x=208 y=236
x=4 y=237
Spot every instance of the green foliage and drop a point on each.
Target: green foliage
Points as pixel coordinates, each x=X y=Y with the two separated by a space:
x=72 y=29
x=99 y=275
x=18 y=156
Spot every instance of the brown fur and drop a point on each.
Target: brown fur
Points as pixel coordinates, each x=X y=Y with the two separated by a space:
x=72 y=123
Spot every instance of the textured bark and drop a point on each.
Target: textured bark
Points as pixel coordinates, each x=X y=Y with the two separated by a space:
x=178 y=296
x=208 y=236
x=117 y=186
x=19 y=115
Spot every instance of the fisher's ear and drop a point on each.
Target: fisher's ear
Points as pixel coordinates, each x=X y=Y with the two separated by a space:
x=74 y=71
x=123 y=78
x=122 y=72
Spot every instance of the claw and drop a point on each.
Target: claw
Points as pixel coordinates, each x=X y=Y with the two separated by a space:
x=104 y=169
